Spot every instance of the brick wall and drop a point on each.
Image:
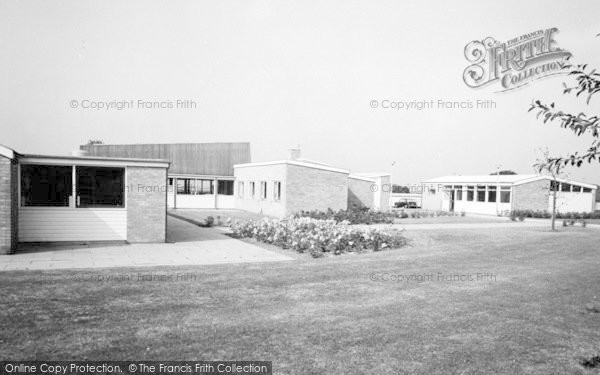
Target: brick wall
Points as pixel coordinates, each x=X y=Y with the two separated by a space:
x=531 y=196
x=315 y=189
x=15 y=204
x=360 y=193
x=146 y=204
x=384 y=193
x=8 y=208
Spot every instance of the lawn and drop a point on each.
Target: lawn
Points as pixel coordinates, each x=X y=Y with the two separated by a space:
x=540 y=313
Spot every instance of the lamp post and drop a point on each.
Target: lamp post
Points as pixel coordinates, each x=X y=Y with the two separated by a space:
x=497 y=185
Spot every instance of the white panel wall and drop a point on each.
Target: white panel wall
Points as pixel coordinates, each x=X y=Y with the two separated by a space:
x=225 y=201
x=268 y=173
x=195 y=201
x=573 y=202
x=48 y=224
x=486 y=208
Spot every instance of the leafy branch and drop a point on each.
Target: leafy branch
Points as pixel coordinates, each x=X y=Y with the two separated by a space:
x=589 y=83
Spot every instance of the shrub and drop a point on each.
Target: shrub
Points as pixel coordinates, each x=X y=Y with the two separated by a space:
x=318 y=237
x=209 y=221
x=354 y=216
x=544 y=214
x=564 y=224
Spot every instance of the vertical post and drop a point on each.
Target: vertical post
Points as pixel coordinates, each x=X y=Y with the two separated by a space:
x=175 y=192
x=73 y=202
x=497 y=187
x=215 y=191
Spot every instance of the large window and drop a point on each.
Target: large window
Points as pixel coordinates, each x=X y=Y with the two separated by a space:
x=491 y=194
x=505 y=194
x=480 y=193
x=46 y=185
x=459 y=193
x=190 y=186
x=225 y=188
x=565 y=187
x=100 y=187
x=276 y=190
x=470 y=193
x=204 y=187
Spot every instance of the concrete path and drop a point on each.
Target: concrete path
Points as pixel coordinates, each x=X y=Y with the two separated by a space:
x=193 y=246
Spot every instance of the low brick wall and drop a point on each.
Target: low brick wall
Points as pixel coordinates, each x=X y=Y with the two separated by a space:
x=146 y=204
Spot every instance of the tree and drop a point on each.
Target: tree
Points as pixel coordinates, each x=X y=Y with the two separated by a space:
x=588 y=82
x=555 y=172
x=504 y=172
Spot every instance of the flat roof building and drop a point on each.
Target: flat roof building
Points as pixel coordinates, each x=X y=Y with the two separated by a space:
x=284 y=187
x=500 y=194
x=201 y=174
x=47 y=198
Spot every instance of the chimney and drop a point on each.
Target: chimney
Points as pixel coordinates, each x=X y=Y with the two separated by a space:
x=295 y=153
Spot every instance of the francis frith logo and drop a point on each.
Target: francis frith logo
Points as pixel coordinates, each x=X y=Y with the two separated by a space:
x=514 y=63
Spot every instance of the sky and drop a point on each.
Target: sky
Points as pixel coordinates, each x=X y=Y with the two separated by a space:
x=283 y=74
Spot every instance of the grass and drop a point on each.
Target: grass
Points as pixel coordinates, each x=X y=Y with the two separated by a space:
x=312 y=316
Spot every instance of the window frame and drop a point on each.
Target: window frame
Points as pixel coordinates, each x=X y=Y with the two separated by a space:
x=73 y=200
x=78 y=203
x=277 y=191
x=478 y=190
x=492 y=189
x=470 y=193
x=21 y=202
x=226 y=189
x=263 y=192
x=458 y=196
x=503 y=191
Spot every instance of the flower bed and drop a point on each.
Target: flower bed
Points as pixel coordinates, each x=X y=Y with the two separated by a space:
x=318 y=237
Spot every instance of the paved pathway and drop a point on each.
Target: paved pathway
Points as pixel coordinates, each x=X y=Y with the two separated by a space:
x=193 y=246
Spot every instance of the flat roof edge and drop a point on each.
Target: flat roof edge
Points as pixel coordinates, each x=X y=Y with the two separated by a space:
x=363 y=178
x=292 y=162
x=7 y=152
x=32 y=157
